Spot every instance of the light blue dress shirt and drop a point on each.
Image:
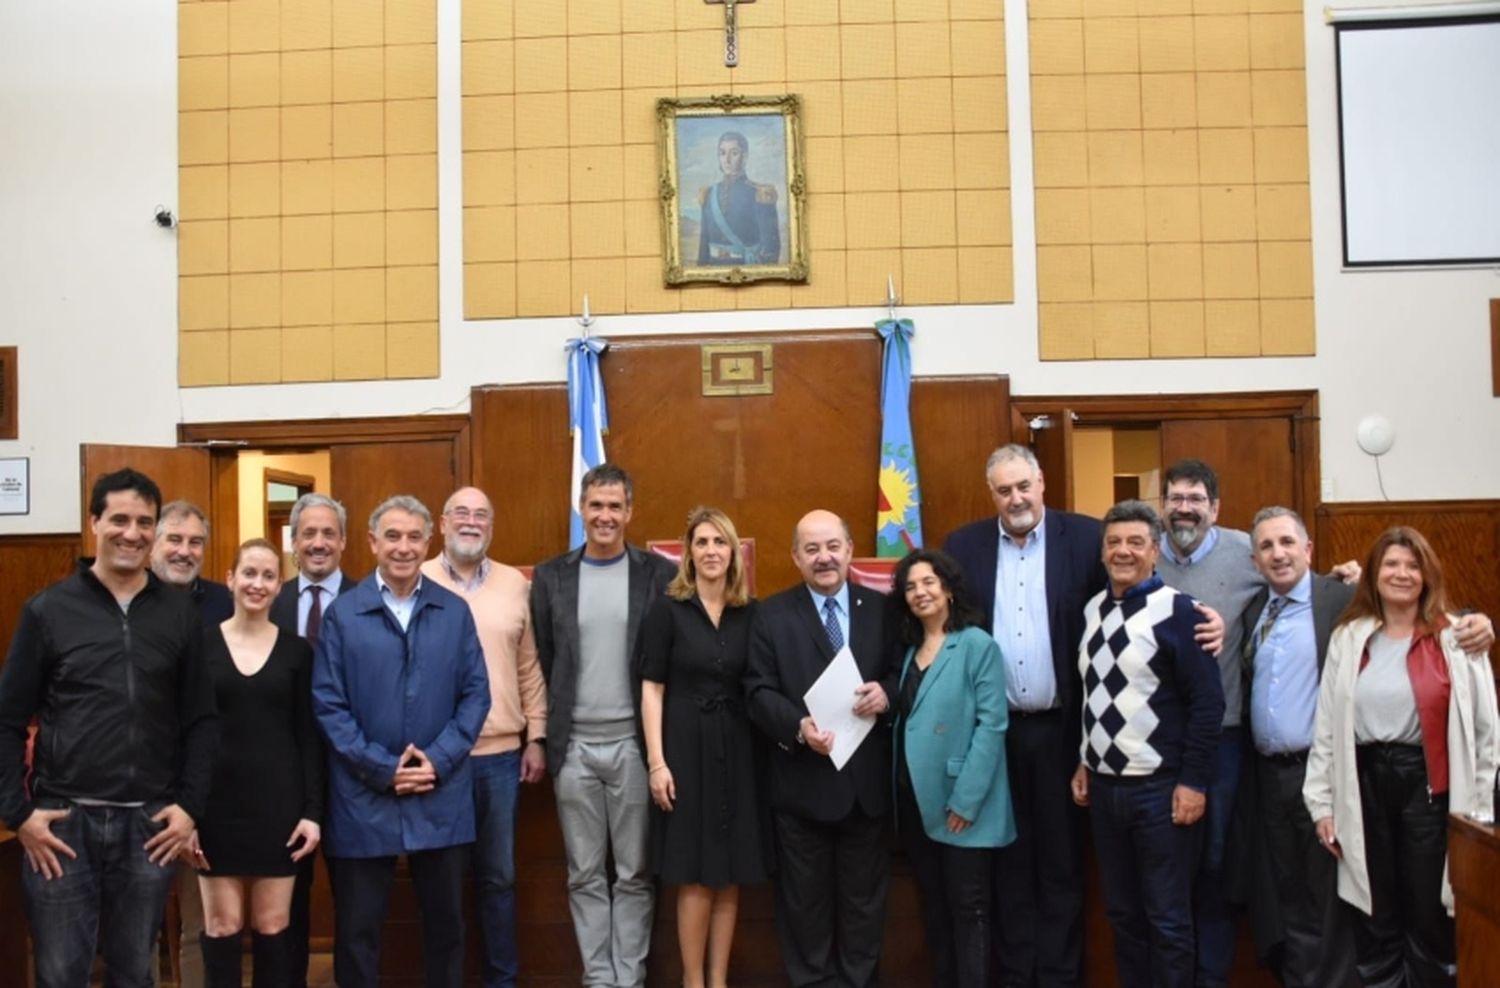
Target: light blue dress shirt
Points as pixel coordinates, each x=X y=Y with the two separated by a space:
x=841 y=600
x=1284 y=692
x=1021 y=625
x=400 y=607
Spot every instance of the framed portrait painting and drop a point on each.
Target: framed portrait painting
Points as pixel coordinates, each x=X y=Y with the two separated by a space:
x=733 y=192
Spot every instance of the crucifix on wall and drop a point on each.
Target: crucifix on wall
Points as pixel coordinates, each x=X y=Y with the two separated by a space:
x=731 y=31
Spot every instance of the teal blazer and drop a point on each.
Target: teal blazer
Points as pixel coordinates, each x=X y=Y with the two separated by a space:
x=955 y=741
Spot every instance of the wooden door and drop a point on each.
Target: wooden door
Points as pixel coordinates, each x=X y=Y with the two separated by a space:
x=182 y=473
x=364 y=474
x=1252 y=456
x=1052 y=442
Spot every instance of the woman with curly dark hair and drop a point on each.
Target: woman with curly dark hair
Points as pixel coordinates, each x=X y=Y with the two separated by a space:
x=952 y=793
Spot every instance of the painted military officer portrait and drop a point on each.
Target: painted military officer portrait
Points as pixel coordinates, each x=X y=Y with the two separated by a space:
x=733 y=185
x=737 y=218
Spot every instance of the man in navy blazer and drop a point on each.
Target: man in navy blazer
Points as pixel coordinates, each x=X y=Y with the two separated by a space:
x=829 y=824
x=1032 y=571
x=318 y=524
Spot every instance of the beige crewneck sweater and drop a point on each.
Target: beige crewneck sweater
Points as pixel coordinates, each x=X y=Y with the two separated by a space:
x=502 y=615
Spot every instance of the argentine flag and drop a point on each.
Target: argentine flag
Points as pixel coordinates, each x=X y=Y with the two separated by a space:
x=588 y=420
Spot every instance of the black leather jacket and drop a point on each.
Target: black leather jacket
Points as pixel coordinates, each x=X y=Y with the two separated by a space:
x=124 y=707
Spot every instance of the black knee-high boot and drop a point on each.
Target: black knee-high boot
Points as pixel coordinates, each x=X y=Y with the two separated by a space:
x=273 y=960
x=221 y=960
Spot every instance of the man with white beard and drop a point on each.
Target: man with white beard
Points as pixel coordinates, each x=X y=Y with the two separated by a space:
x=511 y=746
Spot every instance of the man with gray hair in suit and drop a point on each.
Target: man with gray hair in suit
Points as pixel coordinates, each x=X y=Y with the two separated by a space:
x=587 y=607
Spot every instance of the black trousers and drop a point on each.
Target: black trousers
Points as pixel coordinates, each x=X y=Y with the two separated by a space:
x=830 y=898
x=1318 y=925
x=1038 y=879
x=1408 y=938
x=361 y=889
x=954 y=883
x=299 y=929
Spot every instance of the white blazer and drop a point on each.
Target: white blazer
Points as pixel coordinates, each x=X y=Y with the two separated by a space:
x=1331 y=787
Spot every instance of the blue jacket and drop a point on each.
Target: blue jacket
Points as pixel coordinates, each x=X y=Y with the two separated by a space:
x=376 y=689
x=955 y=741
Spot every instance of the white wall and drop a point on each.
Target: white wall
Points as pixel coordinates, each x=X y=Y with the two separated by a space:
x=87 y=104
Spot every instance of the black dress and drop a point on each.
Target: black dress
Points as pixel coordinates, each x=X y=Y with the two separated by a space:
x=269 y=771
x=712 y=836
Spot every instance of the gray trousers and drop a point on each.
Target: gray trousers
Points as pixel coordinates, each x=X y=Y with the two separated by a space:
x=603 y=801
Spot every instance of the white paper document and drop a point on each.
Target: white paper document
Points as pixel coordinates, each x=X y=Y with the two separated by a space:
x=831 y=700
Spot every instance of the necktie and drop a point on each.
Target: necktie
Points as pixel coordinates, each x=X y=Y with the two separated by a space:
x=1272 y=613
x=831 y=623
x=314 y=615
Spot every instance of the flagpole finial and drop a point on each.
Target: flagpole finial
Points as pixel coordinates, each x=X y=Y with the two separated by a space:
x=891 y=300
x=585 y=320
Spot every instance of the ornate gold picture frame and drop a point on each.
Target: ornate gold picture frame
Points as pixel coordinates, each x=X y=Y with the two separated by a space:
x=733 y=190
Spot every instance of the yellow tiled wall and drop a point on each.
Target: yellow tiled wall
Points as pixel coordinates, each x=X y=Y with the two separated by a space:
x=905 y=121
x=307 y=190
x=1171 y=178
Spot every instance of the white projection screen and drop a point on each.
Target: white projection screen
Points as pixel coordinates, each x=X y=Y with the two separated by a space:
x=1419 y=141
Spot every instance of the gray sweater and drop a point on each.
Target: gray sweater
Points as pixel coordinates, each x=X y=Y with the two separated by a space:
x=1225 y=580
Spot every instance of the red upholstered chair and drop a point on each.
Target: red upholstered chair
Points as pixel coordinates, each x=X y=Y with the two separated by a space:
x=876 y=574
x=672 y=549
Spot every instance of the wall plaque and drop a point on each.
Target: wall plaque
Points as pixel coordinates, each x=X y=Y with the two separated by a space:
x=737 y=369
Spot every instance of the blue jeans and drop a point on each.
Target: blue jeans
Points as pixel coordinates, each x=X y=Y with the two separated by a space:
x=497 y=780
x=1214 y=921
x=1146 y=868
x=111 y=897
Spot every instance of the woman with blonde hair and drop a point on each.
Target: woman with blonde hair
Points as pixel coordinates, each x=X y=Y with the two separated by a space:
x=1405 y=732
x=266 y=796
x=705 y=824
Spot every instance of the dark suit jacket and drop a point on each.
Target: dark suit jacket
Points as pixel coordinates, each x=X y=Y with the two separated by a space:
x=1247 y=861
x=1074 y=574
x=789 y=649
x=554 y=622
x=284 y=607
x=215 y=602
x=1329 y=598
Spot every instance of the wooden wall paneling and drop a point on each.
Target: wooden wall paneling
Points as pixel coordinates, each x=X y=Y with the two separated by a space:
x=522 y=458
x=1464 y=534
x=1208 y=426
x=224 y=511
x=956 y=423
x=1495 y=345
x=1053 y=445
x=765 y=459
x=1474 y=864
x=302 y=434
x=179 y=472
x=1253 y=458
x=10 y=398
x=30 y=562
x=365 y=474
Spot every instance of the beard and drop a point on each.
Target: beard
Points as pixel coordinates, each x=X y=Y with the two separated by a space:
x=1187 y=532
x=467 y=550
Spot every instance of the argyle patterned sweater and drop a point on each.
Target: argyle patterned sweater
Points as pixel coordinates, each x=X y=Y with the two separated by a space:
x=1152 y=701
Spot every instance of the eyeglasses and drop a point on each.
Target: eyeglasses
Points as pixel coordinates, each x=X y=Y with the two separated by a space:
x=1187 y=500
x=464 y=514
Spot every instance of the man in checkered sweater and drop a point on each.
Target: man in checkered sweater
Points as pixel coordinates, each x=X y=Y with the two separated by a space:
x=1152 y=708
